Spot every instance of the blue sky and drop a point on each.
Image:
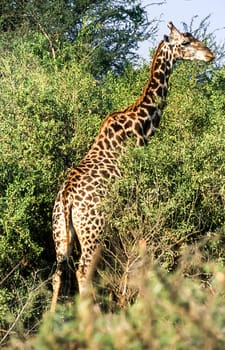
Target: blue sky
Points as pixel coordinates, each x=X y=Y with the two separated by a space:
x=179 y=11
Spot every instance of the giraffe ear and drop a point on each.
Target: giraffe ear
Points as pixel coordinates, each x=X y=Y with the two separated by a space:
x=171 y=26
x=174 y=32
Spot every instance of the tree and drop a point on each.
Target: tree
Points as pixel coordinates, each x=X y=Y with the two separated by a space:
x=104 y=34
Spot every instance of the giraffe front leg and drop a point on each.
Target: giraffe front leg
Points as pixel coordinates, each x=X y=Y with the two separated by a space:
x=82 y=280
x=87 y=266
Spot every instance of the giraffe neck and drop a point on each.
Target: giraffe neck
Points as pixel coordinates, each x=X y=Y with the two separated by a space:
x=155 y=91
x=139 y=119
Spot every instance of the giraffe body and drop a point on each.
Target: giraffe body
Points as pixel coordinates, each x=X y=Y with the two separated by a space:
x=76 y=212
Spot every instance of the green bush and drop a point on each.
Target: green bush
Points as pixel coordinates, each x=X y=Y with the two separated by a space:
x=45 y=117
x=167 y=222
x=172 y=312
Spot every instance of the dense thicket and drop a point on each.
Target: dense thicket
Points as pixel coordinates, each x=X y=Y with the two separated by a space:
x=165 y=235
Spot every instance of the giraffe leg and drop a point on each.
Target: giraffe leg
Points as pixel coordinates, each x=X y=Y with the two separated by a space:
x=56 y=284
x=64 y=244
x=88 y=223
x=86 y=269
x=83 y=275
x=63 y=281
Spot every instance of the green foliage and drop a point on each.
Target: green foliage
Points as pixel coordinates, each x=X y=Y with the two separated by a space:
x=165 y=235
x=171 y=313
x=45 y=118
x=102 y=34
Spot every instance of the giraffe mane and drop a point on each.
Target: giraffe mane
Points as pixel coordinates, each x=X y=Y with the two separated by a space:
x=152 y=67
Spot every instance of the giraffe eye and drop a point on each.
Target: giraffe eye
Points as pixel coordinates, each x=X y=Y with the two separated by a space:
x=185 y=43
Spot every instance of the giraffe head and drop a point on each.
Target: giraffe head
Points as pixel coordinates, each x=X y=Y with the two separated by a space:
x=187 y=47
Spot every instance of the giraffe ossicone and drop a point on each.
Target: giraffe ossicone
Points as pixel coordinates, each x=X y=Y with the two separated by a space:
x=76 y=214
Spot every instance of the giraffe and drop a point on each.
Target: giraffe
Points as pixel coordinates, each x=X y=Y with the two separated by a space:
x=76 y=213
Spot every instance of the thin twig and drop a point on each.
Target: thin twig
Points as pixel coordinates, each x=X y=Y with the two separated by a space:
x=21 y=311
x=10 y=273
